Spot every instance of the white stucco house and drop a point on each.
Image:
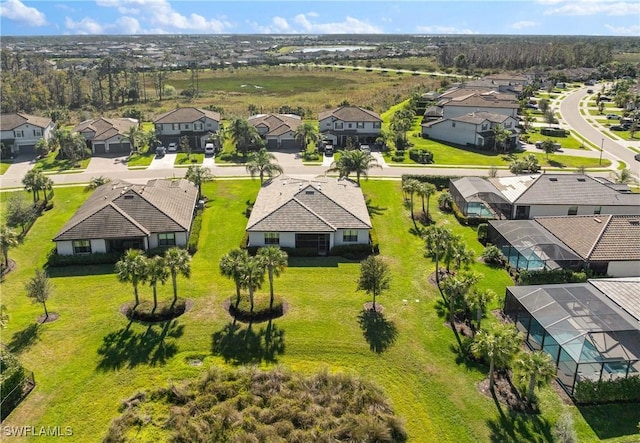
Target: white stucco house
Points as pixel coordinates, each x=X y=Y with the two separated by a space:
x=312 y=214
x=475 y=129
x=120 y=216
x=107 y=135
x=20 y=132
x=359 y=124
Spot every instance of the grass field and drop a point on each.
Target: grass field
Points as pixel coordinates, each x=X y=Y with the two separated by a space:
x=51 y=163
x=4 y=165
x=91 y=359
x=183 y=161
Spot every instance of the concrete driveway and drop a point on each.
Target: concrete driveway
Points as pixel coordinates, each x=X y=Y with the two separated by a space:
x=165 y=162
x=20 y=166
x=106 y=165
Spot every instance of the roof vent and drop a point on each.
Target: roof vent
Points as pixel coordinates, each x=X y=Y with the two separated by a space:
x=309 y=192
x=582 y=180
x=553 y=179
x=597 y=220
x=634 y=222
x=128 y=197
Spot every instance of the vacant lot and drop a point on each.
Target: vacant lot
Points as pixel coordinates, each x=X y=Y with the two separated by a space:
x=91 y=359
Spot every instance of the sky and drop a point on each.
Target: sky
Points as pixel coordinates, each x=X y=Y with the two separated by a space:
x=512 y=17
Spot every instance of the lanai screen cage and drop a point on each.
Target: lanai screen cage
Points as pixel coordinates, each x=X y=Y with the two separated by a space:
x=477 y=197
x=587 y=335
x=527 y=245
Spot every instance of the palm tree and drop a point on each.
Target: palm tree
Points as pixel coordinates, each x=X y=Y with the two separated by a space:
x=478 y=300
x=410 y=187
x=8 y=239
x=156 y=272
x=456 y=288
x=498 y=345
x=199 y=175
x=500 y=136
x=275 y=260
x=134 y=135
x=252 y=276
x=32 y=182
x=46 y=185
x=426 y=190
x=307 y=133
x=231 y=267
x=177 y=261
x=241 y=133
x=261 y=163
x=462 y=255
x=436 y=240
x=374 y=277
x=132 y=268
x=356 y=161
x=623 y=176
x=535 y=367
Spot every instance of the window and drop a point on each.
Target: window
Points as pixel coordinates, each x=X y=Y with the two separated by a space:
x=37 y=132
x=350 y=235
x=339 y=125
x=573 y=210
x=360 y=125
x=19 y=133
x=484 y=127
x=507 y=125
x=174 y=127
x=167 y=239
x=186 y=126
x=271 y=238
x=597 y=210
x=453 y=124
x=350 y=125
x=82 y=247
x=377 y=125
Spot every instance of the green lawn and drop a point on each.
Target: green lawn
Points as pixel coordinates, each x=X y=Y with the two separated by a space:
x=183 y=161
x=4 y=165
x=52 y=164
x=566 y=142
x=140 y=160
x=91 y=359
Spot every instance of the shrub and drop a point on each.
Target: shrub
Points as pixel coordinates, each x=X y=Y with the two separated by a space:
x=165 y=310
x=194 y=236
x=398 y=156
x=54 y=260
x=420 y=155
x=310 y=156
x=492 y=255
x=607 y=391
x=440 y=181
x=261 y=308
x=11 y=381
x=353 y=252
x=554 y=132
x=482 y=233
x=550 y=277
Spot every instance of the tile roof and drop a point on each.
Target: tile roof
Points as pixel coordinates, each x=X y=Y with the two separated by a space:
x=623 y=292
x=574 y=189
x=277 y=124
x=9 y=122
x=286 y=204
x=479 y=117
x=120 y=209
x=186 y=115
x=486 y=100
x=513 y=187
x=598 y=237
x=106 y=128
x=351 y=114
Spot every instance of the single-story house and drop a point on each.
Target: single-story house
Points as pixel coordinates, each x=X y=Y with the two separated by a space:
x=196 y=124
x=605 y=244
x=529 y=196
x=278 y=130
x=359 y=124
x=591 y=330
x=120 y=216
x=20 y=132
x=315 y=214
x=107 y=135
x=475 y=129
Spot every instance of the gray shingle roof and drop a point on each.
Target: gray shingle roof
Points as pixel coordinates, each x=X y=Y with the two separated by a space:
x=574 y=189
x=277 y=124
x=322 y=205
x=623 y=292
x=12 y=121
x=351 y=114
x=120 y=210
x=186 y=115
x=106 y=128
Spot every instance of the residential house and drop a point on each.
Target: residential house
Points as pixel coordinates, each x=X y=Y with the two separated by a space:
x=358 y=124
x=475 y=129
x=107 y=135
x=591 y=330
x=461 y=101
x=529 y=196
x=196 y=124
x=20 y=132
x=278 y=130
x=120 y=216
x=311 y=214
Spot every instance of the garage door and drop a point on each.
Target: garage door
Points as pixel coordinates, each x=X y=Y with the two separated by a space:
x=99 y=148
x=289 y=144
x=272 y=143
x=27 y=150
x=120 y=147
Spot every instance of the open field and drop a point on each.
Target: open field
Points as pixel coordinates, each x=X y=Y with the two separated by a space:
x=91 y=359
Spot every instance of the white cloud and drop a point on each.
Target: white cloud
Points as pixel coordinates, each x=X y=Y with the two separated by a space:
x=595 y=7
x=437 y=29
x=524 y=24
x=281 y=23
x=350 y=25
x=633 y=30
x=15 y=10
x=128 y=25
x=85 y=26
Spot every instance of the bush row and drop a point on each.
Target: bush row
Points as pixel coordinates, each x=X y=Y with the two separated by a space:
x=464 y=220
x=545 y=277
x=54 y=260
x=420 y=155
x=440 y=181
x=194 y=237
x=354 y=252
x=607 y=391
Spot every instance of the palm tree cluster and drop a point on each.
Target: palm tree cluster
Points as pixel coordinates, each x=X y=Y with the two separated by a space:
x=35 y=182
x=354 y=161
x=442 y=244
x=424 y=190
x=243 y=135
x=247 y=272
x=262 y=163
x=8 y=240
x=136 y=268
x=307 y=133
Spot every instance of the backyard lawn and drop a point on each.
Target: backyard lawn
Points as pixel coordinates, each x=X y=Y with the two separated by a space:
x=91 y=359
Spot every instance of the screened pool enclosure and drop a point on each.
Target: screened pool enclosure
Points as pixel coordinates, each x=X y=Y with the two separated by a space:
x=586 y=333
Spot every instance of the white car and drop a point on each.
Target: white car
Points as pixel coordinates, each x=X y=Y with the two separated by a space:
x=173 y=147
x=209 y=149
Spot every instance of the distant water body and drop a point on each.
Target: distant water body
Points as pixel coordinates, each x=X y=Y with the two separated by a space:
x=335 y=48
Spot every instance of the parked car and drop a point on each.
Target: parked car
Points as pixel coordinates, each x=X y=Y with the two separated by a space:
x=328 y=150
x=589 y=91
x=637 y=157
x=173 y=147
x=613 y=116
x=365 y=148
x=618 y=128
x=604 y=98
x=209 y=149
x=160 y=151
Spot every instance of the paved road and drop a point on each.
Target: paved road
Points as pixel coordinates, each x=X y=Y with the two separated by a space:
x=570 y=110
